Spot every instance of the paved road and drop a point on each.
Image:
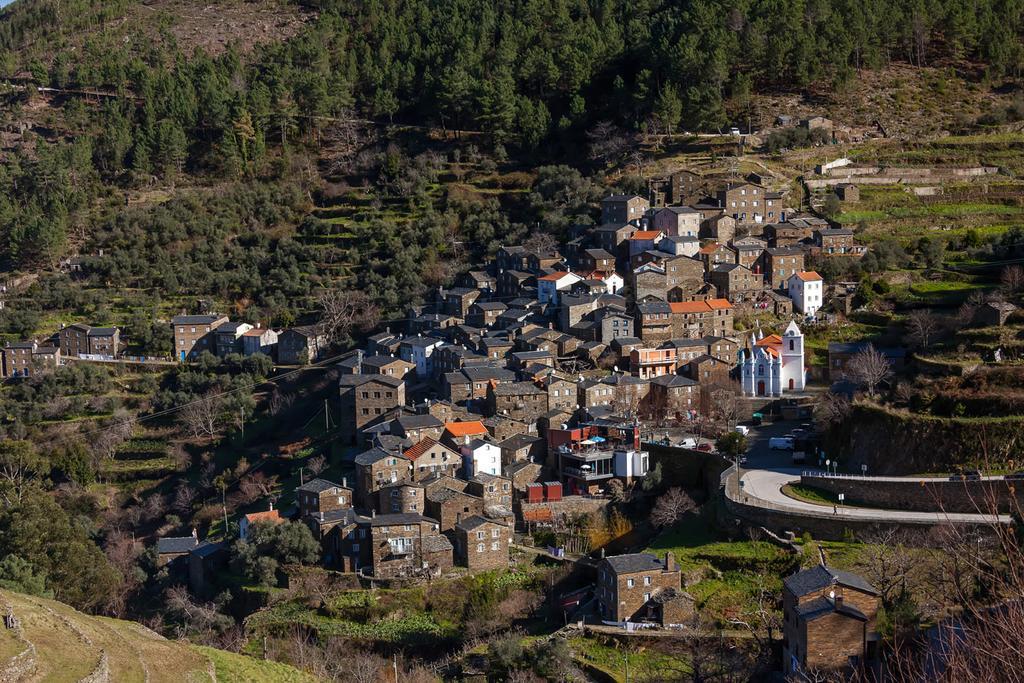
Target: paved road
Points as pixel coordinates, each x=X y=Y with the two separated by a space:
x=766 y=486
x=765 y=472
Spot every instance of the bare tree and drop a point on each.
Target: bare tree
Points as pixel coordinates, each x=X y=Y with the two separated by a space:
x=541 y=243
x=343 y=311
x=923 y=326
x=887 y=561
x=607 y=142
x=316 y=465
x=831 y=410
x=671 y=507
x=869 y=367
x=184 y=498
x=1012 y=279
x=968 y=309
x=202 y=417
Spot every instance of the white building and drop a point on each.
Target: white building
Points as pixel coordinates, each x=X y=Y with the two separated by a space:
x=480 y=457
x=550 y=285
x=773 y=364
x=677 y=221
x=419 y=351
x=806 y=289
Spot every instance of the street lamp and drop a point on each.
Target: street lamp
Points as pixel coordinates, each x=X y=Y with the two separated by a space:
x=864 y=469
x=842 y=497
x=828 y=466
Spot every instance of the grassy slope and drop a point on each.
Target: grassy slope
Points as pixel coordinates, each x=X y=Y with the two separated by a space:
x=69 y=645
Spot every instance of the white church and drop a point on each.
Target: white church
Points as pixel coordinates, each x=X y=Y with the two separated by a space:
x=773 y=364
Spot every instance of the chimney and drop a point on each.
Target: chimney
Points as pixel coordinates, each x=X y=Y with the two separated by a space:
x=458 y=518
x=271 y=506
x=321 y=516
x=670 y=561
x=344 y=482
x=195 y=534
x=602 y=553
x=373 y=513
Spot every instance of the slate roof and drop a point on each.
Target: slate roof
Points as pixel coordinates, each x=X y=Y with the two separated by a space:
x=317 y=486
x=418 y=421
x=102 y=331
x=485 y=373
x=436 y=544
x=380 y=361
x=821 y=577
x=673 y=381
x=636 y=562
x=517 y=389
x=488 y=306
x=470 y=523
x=207 y=548
x=194 y=319
x=397 y=519
x=373 y=455
x=819 y=607
x=175 y=544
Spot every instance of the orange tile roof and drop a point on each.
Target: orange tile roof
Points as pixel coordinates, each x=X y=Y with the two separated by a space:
x=553 y=277
x=689 y=307
x=269 y=516
x=770 y=340
x=719 y=304
x=710 y=248
x=425 y=444
x=470 y=428
x=808 y=276
x=645 y=235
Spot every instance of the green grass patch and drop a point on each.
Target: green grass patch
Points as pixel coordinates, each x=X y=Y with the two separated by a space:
x=809 y=494
x=641 y=664
x=241 y=668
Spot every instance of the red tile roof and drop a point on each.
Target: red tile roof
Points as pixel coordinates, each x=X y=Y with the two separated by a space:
x=710 y=248
x=808 y=276
x=645 y=235
x=700 y=306
x=471 y=428
x=267 y=517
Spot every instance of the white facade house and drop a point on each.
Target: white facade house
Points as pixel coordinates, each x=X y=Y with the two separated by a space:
x=680 y=246
x=419 y=351
x=630 y=464
x=480 y=457
x=550 y=285
x=613 y=282
x=773 y=365
x=807 y=290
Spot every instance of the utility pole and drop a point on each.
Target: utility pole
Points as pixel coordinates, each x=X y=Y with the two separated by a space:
x=394 y=663
x=241 y=420
x=327 y=417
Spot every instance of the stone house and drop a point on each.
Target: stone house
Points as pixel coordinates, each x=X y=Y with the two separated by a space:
x=512 y=282
x=406 y=545
x=720 y=228
x=259 y=340
x=706 y=369
x=481 y=544
x=612 y=324
x=417 y=426
x=743 y=201
x=173 y=551
x=538 y=262
x=677 y=221
x=227 y=337
x=613 y=238
x=671 y=395
x=478 y=279
x=683 y=272
x=511 y=258
x=561 y=393
x=375 y=469
x=680 y=246
x=748 y=251
x=779 y=263
x=649 y=281
x=485 y=313
x=775 y=206
x=367 y=399
x=654 y=320
x=597 y=259
x=431 y=458
x=592 y=393
x=404 y=497
x=736 y=283
x=447 y=501
x=786 y=234
x=621 y=208
x=525 y=447
x=495 y=348
x=386 y=365
x=627 y=583
x=321 y=495
x=193 y=334
x=835 y=241
x=18 y=358
x=714 y=253
x=848 y=192
x=993 y=313
x=829 y=621
x=693 y=319
x=518 y=400
x=79 y=339
x=458 y=301
x=300 y=345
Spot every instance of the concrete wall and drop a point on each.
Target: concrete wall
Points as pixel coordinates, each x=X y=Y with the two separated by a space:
x=925 y=494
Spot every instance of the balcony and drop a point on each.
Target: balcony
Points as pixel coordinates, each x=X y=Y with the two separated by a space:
x=586 y=475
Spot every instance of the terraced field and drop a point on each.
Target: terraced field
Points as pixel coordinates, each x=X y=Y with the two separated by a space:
x=53 y=642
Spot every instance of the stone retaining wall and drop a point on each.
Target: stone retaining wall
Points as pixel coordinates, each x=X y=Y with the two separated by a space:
x=925 y=494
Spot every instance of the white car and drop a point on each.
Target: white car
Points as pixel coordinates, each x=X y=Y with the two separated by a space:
x=688 y=443
x=781 y=443
x=741 y=429
x=734 y=131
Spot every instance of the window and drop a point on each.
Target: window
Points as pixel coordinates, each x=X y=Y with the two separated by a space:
x=647 y=581
x=366 y=411
x=629 y=583
x=355 y=547
x=366 y=394
x=494 y=545
x=480 y=535
x=647 y=596
x=479 y=547
x=495 y=533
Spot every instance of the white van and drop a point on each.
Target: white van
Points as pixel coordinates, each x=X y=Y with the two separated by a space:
x=688 y=443
x=741 y=429
x=781 y=443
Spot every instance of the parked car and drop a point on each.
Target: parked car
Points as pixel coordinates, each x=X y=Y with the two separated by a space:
x=740 y=429
x=706 y=447
x=734 y=131
x=688 y=443
x=781 y=443
x=972 y=475
x=799 y=457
